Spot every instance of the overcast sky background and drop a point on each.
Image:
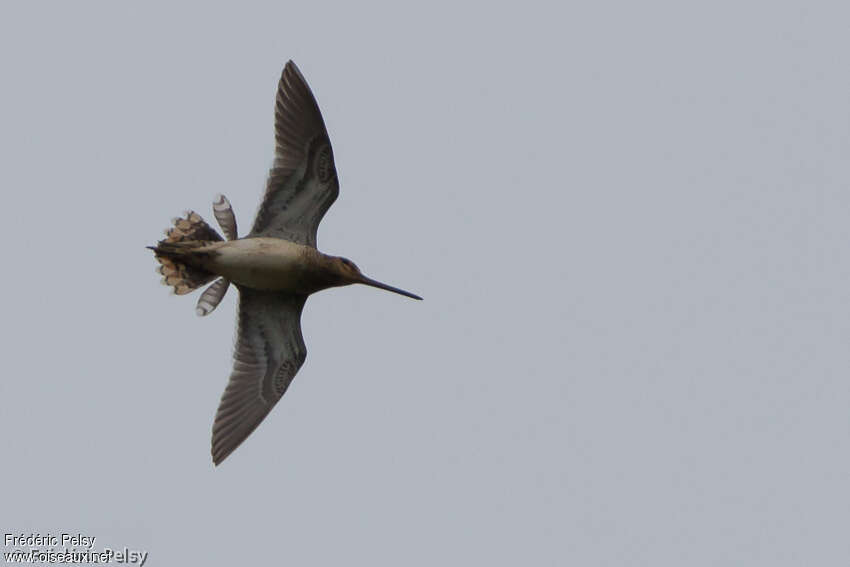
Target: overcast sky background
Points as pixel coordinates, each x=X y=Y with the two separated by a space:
x=629 y=221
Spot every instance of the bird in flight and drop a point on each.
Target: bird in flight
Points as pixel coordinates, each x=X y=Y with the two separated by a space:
x=275 y=267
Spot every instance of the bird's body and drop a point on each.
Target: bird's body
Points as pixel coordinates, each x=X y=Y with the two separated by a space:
x=270 y=264
x=275 y=267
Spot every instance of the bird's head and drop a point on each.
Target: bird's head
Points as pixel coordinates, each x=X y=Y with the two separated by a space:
x=349 y=273
x=347 y=270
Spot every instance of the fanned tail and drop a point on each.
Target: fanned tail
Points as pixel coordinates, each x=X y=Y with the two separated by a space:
x=178 y=250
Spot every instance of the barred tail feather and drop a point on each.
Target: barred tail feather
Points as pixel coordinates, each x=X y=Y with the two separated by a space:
x=193 y=229
x=224 y=215
x=211 y=297
x=175 y=253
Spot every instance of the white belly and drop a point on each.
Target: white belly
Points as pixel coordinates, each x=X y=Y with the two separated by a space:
x=262 y=263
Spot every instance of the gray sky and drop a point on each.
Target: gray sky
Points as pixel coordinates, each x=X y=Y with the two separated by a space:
x=629 y=222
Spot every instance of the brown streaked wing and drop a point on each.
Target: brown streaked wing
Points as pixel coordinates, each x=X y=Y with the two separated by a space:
x=269 y=351
x=303 y=183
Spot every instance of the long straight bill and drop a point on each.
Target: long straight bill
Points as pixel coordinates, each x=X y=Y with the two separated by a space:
x=375 y=283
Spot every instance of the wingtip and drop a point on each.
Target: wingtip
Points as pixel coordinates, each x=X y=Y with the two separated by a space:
x=292 y=69
x=219 y=456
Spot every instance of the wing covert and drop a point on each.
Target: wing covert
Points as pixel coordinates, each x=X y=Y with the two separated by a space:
x=303 y=182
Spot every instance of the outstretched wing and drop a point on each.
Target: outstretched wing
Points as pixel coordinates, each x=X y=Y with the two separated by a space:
x=303 y=183
x=269 y=351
